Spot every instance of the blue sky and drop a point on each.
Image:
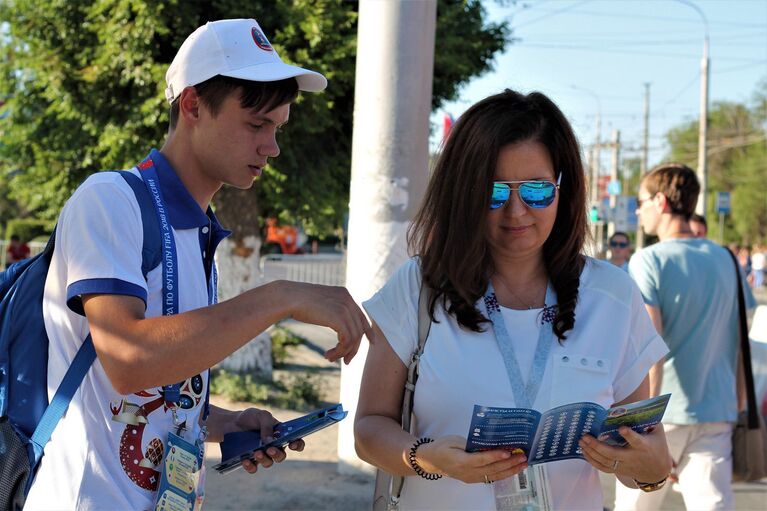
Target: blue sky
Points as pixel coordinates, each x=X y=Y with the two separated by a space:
x=596 y=55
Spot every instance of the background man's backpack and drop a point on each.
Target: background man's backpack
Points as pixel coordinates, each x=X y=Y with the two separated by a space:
x=27 y=420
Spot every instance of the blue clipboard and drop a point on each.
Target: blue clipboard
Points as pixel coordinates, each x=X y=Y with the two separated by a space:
x=240 y=445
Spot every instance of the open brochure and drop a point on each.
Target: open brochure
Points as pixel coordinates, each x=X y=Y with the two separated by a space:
x=554 y=435
x=239 y=446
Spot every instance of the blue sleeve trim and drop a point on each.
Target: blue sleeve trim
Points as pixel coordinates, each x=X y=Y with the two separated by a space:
x=101 y=286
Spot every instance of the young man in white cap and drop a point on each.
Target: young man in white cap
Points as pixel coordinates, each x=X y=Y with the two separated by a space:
x=157 y=330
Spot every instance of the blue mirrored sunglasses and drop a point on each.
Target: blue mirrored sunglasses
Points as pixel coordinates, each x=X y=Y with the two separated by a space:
x=535 y=194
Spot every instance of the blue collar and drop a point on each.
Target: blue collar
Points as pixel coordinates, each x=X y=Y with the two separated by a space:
x=183 y=210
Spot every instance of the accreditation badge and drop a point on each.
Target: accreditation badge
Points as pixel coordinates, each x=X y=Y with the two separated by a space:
x=183 y=476
x=527 y=491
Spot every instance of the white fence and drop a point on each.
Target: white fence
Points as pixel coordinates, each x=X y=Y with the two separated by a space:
x=35 y=247
x=327 y=269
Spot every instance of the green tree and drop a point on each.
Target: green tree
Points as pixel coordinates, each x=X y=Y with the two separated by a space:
x=85 y=79
x=737 y=146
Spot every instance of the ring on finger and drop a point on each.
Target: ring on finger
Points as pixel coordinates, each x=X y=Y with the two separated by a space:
x=615 y=465
x=487 y=481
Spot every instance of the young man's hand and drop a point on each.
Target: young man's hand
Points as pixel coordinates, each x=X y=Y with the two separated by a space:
x=332 y=307
x=252 y=419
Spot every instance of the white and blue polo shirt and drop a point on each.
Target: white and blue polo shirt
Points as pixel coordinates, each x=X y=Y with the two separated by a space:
x=106 y=451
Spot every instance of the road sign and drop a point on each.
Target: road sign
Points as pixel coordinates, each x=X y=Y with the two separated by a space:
x=624 y=214
x=723 y=202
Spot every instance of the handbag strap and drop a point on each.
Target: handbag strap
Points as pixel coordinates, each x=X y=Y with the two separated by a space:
x=424 y=325
x=745 y=350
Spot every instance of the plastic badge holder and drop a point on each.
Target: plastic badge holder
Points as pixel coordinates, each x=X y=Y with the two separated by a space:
x=240 y=446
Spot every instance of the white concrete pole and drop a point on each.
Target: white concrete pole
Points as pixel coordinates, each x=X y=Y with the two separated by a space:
x=614 y=177
x=702 y=131
x=390 y=161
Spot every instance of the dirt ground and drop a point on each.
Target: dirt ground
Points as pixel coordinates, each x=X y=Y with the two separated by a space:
x=306 y=480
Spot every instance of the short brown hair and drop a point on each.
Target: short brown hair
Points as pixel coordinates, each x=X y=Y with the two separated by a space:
x=449 y=232
x=258 y=95
x=678 y=183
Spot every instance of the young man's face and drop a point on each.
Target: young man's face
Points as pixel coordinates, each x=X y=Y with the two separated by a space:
x=647 y=211
x=233 y=146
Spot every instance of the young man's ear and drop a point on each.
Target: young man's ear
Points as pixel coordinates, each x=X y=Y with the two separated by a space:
x=662 y=202
x=189 y=105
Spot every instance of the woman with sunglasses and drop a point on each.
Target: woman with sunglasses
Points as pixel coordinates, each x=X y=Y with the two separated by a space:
x=520 y=318
x=620 y=250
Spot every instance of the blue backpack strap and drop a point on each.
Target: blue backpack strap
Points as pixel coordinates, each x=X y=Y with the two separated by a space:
x=60 y=402
x=151 y=256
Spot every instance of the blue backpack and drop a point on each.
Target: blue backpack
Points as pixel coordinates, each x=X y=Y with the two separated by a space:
x=27 y=420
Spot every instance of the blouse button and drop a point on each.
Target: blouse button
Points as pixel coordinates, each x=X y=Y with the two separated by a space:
x=600 y=363
x=584 y=362
x=205 y=230
x=565 y=359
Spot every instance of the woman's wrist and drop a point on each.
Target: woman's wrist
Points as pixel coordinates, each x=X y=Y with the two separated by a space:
x=419 y=462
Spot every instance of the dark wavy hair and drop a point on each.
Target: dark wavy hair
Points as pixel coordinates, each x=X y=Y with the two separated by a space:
x=449 y=232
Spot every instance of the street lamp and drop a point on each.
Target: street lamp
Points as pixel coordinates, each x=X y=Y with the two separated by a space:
x=703 y=123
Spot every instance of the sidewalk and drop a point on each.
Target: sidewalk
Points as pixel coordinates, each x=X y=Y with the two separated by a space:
x=310 y=480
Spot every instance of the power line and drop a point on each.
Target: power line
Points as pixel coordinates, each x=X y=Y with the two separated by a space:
x=624 y=51
x=661 y=18
x=549 y=14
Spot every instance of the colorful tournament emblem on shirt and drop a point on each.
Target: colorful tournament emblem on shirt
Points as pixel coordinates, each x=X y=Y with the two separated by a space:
x=260 y=39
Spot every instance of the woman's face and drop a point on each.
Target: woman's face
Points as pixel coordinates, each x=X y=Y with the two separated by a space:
x=515 y=230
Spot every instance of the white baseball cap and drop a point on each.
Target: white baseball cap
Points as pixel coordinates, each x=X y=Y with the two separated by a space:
x=235 y=48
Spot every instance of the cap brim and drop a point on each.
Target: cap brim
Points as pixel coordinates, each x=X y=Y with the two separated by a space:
x=309 y=81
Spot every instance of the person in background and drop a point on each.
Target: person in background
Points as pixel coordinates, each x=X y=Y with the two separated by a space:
x=499 y=246
x=744 y=259
x=17 y=251
x=757 y=266
x=620 y=250
x=689 y=289
x=698 y=225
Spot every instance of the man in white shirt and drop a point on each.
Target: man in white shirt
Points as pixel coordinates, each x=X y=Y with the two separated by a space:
x=229 y=93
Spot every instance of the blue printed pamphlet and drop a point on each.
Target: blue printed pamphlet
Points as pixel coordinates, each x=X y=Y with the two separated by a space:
x=554 y=435
x=241 y=445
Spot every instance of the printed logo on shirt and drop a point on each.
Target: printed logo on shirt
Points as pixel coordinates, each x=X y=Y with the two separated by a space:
x=142 y=464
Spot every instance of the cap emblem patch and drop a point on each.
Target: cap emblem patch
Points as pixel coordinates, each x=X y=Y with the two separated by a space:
x=260 y=39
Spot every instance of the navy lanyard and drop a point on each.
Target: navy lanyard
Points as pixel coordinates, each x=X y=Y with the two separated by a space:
x=524 y=394
x=169 y=258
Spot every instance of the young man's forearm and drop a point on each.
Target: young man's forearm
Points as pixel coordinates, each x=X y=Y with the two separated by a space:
x=140 y=353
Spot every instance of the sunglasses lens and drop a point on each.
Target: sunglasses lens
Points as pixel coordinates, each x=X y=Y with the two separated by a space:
x=501 y=194
x=618 y=244
x=537 y=194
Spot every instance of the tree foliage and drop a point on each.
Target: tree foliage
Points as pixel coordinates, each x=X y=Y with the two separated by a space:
x=84 y=82
x=737 y=163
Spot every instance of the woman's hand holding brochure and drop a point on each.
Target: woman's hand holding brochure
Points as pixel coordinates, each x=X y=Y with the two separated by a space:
x=637 y=460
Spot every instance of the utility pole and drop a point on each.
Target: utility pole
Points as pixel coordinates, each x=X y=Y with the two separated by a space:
x=390 y=162
x=614 y=178
x=596 y=227
x=702 y=130
x=645 y=157
x=595 y=167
